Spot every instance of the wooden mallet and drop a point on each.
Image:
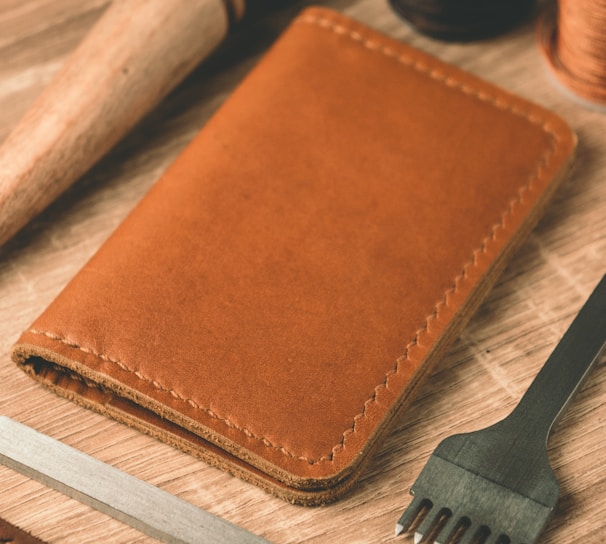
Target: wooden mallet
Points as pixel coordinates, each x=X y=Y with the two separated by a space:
x=136 y=53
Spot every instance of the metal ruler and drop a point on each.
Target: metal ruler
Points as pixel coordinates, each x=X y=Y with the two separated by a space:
x=112 y=491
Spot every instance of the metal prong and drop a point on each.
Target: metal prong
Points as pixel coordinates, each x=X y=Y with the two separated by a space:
x=468 y=535
x=410 y=514
x=430 y=523
x=474 y=533
x=497 y=538
x=447 y=532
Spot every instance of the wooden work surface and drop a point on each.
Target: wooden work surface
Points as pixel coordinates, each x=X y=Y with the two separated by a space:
x=479 y=382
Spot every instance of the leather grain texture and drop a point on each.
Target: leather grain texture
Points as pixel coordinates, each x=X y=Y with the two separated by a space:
x=277 y=298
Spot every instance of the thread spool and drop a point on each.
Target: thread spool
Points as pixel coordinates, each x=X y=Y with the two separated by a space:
x=462 y=20
x=573 y=41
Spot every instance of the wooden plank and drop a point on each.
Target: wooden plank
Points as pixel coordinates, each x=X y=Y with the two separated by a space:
x=477 y=383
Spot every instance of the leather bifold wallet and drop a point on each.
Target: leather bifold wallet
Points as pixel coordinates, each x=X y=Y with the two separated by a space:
x=276 y=299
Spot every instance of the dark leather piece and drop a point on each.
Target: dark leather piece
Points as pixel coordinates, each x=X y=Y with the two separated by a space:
x=9 y=533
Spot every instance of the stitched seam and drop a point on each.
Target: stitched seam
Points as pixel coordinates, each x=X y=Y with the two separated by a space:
x=421 y=67
x=439 y=76
x=158 y=386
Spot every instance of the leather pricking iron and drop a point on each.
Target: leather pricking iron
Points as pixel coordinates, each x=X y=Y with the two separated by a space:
x=495 y=486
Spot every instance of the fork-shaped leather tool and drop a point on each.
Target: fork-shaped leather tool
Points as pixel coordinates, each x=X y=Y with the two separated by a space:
x=495 y=486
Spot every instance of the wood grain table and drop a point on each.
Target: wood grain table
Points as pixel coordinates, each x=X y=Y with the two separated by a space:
x=477 y=383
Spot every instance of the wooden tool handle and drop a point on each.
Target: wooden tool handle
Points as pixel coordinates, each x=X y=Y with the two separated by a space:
x=137 y=52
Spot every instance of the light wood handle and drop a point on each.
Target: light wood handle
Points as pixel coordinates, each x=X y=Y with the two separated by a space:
x=135 y=54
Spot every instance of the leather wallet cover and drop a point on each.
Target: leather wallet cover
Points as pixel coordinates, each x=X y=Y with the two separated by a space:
x=277 y=298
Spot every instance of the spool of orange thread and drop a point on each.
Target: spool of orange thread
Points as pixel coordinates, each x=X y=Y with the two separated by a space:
x=574 y=43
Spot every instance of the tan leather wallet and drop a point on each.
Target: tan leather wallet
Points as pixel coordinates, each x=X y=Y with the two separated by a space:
x=276 y=299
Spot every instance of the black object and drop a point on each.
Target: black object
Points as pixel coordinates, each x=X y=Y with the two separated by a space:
x=462 y=20
x=498 y=480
